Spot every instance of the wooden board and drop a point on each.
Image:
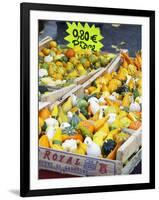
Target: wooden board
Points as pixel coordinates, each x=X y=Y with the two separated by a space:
x=69 y=163
x=44 y=42
x=129 y=147
x=132 y=163
x=56 y=95
x=43 y=105
x=84 y=78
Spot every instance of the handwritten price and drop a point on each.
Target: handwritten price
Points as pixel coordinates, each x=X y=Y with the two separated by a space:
x=84 y=36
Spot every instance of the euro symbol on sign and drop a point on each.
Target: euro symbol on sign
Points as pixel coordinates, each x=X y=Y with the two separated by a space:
x=93 y=38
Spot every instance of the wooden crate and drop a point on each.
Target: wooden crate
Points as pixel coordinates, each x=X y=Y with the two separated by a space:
x=128 y=155
x=56 y=93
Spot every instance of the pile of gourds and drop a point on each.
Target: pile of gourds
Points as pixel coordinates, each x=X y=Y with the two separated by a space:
x=60 y=64
x=93 y=124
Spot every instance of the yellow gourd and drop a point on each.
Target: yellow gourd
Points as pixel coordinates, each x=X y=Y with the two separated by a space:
x=44 y=141
x=113 y=133
x=126 y=100
x=99 y=123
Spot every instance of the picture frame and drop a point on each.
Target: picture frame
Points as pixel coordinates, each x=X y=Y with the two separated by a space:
x=27 y=101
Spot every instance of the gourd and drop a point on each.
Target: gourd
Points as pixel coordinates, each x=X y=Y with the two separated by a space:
x=42 y=73
x=134 y=107
x=92 y=148
x=112 y=117
x=123 y=89
x=94 y=107
x=121 y=137
x=44 y=141
x=112 y=154
x=135 y=125
x=50 y=131
x=86 y=128
x=81 y=103
x=75 y=136
x=64 y=125
x=125 y=122
x=57 y=138
x=81 y=148
x=70 y=145
x=71 y=133
x=44 y=113
x=75 y=121
x=51 y=122
x=99 y=123
x=48 y=59
x=107 y=147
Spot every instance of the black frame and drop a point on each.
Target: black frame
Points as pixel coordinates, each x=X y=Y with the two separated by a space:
x=25 y=9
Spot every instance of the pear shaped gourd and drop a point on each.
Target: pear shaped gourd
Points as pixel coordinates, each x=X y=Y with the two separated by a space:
x=57 y=138
x=50 y=131
x=67 y=105
x=99 y=123
x=101 y=134
x=92 y=148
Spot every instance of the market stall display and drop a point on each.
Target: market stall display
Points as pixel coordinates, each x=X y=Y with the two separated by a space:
x=99 y=120
x=61 y=68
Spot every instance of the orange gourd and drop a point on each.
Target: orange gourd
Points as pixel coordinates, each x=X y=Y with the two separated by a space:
x=112 y=154
x=87 y=125
x=70 y=53
x=99 y=123
x=76 y=136
x=44 y=141
x=135 y=125
x=44 y=113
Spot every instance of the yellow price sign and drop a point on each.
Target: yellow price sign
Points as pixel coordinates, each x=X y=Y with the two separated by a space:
x=87 y=37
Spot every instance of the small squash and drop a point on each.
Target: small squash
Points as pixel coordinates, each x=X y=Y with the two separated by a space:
x=76 y=136
x=44 y=113
x=112 y=154
x=107 y=147
x=70 y=53
x=44 y=141
x=99 y=123
x=135 y=125
x=86 y=128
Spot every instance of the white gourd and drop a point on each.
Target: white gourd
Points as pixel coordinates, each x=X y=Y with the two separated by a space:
x=50 y=131
x=42 y=73
x=48 y=58
x=51 y=122
x=70 y=145
x=64 y=125
x=112 y=117
x=134 y=107
x=94 y=107
x=92 y=148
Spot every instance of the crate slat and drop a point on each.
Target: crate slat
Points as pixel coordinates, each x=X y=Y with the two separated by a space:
x=129 y=147
x=69 y=163
x=55 y=95
x=129 y=167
